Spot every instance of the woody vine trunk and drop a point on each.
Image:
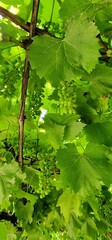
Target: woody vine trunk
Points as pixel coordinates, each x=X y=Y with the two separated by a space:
x=25 y=80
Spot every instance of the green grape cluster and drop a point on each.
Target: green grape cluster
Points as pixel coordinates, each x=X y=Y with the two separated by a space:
x=56 y=29
x=67 y=97
x=106 y=211
x=105 y=206
x=9 y=75
x=35 y=102
x=46 y=166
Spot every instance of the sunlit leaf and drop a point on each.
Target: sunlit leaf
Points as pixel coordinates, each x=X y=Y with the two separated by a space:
x=79 y=47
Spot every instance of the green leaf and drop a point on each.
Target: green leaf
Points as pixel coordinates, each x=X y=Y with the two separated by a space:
x=72 y=203
x=3 y=231
x=81 y=42
x=83 y=172
x=30 y=197
x=52 y=134
x=4 y=45
x=100 y=80
x=72 y=129
x=74 y=226
x=45 y=13
x=8 y=31
x=10 y=179
x=87 y=112
x=31 y=177
x=89 y=229
x=62 y=120
x=79 y=47
x=7 y=179
x=100 y=133
x=104 y=17
x=46 y=49
x=91 y=9
x=75 y=8
x=12 y=2
x=24 y=212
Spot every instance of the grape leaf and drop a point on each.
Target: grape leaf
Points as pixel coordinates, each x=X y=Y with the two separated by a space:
x=10 y=178
x=104 y=16
x=3 y=231
x=94 y=204
x=52 y=134
x=4 y=45
x=89 y=229
x=100 y=133
x=27 y=2
x=24 y=212
x=10 y=32
x=72 y=129
x=87 y=112
x=12 y=2
x=7 y=179
x=89 y=8
x=46 y=49
x=72 y=203
x=45 y=13
x=30 y=197
x=79 y=47
x=81 y=42
x=100 y=80
x=82 y=172
x=31 y=177
x=75 y=8
x=62 y=119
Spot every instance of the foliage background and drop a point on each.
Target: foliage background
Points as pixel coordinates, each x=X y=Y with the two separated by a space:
x=63 y=190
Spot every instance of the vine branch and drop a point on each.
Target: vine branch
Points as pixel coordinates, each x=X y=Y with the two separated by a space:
x=102 y=42
x=32 y=32
x=15 y=19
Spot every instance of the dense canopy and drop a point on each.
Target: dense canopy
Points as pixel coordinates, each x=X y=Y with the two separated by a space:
x=55 y=119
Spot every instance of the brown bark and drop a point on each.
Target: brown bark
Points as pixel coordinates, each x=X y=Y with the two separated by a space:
x=32 y=32
x=15 y=19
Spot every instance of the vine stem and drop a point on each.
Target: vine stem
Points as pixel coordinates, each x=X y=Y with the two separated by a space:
x=15 y=19
x=25 y=78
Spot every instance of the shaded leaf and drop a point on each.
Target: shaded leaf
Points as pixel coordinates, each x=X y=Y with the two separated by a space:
x=69 y=202
x=31 y=177
x=89 y=229
x=83 y=172
x=100 y=80
x=7 y=179
x=95 y=10
x=72 y=129
x=10 y=179
x=100 y=133
x=52 y=133
x=24 y=212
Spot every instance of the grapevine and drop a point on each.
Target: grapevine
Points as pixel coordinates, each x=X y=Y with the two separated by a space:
x=67 y=97
x=56 y=120
x=46 y=174
x=10 y=75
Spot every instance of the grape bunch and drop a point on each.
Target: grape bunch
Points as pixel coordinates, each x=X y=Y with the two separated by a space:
x=67 y=97
x=46 y=176
x=35 y=102
x=10 y=74
x=56 y=29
